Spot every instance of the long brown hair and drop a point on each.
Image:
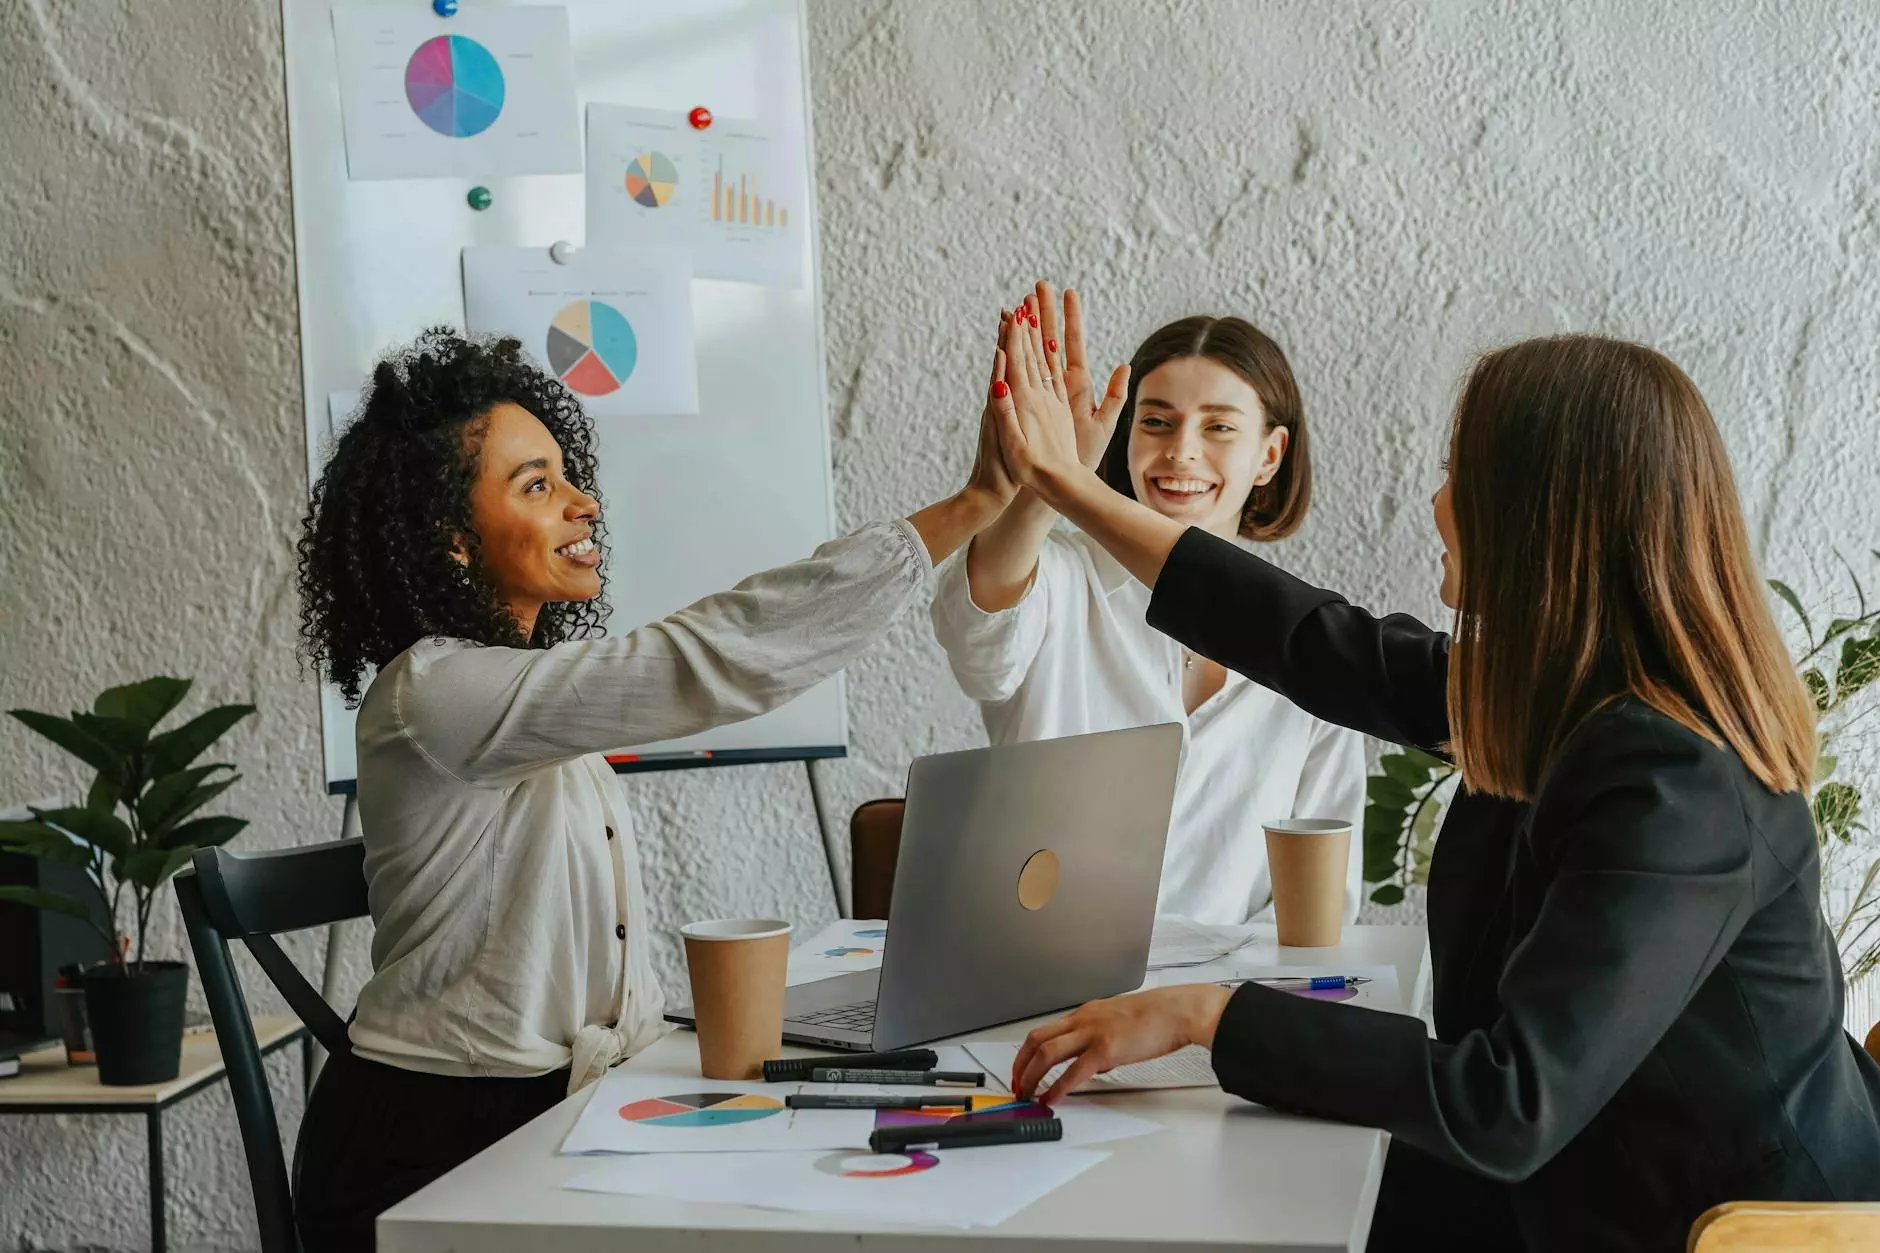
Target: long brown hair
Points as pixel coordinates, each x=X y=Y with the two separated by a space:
x=1603 y=554
x=1272 y=509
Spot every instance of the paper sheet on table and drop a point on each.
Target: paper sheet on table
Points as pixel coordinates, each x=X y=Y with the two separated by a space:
x=1192 y=1067
x=489 y=93
x=964 y=1188
x=1178 y=941
x=843 y=947
x=633 y=1111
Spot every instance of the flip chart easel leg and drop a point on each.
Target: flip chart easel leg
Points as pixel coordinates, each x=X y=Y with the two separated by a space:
x=831 y=858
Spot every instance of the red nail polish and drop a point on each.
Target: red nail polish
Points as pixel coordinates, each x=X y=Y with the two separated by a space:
x=1050 y=345
x=1000 y=390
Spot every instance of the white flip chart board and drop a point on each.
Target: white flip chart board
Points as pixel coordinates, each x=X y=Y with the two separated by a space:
x=694 y=502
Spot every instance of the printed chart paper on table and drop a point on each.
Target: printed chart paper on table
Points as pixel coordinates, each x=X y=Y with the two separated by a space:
x=638 y=1112
x=615 y=324
x=486 y=94
x=963 y=1188
x=733 y=195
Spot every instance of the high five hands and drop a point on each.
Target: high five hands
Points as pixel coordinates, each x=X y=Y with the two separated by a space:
x=1049 y=422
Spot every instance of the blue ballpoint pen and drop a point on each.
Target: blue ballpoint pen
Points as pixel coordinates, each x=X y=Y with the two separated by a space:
x=1314 y=983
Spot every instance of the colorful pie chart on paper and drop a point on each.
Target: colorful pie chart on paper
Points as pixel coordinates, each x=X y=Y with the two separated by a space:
x=701 y=1109
x=652 y=178
x=872 y=933
x=876 y=1165
x=454 y=86
x=986 y=1107
x=842 y=950
x=591 y=347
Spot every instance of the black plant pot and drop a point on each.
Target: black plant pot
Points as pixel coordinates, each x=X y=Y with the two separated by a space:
x=137 y=1021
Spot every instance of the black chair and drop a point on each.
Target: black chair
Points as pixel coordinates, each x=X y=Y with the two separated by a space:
x=252 y=897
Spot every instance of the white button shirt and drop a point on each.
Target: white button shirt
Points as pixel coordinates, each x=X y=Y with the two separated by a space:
x=501 y=868
x=1077 y=655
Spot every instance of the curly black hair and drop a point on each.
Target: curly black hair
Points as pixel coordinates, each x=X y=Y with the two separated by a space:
x=376 y=567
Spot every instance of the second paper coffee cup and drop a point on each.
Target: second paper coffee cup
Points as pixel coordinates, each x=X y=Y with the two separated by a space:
x=1307 y=858
x=738 y=967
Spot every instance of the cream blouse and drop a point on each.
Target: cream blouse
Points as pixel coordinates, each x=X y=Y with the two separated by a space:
x=501 y=869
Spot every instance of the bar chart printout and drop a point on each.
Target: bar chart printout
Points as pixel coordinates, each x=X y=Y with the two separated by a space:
x=734 y=196
x=739 y=202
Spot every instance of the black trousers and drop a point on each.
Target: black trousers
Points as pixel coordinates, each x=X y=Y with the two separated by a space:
x=1424 y=1204
x=374 y=1134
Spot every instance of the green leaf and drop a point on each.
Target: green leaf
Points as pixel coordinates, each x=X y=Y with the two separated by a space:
x=123 y=735
x=176 y=796
x=1837 y=806
x=1838 y=628
x=1825 y=766
x=1399 y=767
x=35 y=839
x=104 y=794
x=1860 y=666
x=1388 y=793
x=101 y=830
x=38 y=898
x=204 y=832
x=1389 y=894
x=148 y=868
x=100 y=756
x=1818 y=690
x=142 y=704
x=174 y=750
x=1794 y=602
x=1430 y=760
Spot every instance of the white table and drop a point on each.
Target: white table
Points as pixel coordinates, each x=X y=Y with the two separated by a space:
x=1223 y=1173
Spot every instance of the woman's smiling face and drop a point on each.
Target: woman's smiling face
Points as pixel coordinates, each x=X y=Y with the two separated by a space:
x=1199 y=443
x=534 y=528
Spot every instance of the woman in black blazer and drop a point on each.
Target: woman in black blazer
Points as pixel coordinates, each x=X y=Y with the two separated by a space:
x=1637 y=1002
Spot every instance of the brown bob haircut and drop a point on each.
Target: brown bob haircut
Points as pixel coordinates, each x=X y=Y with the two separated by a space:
x=1277 y=507
x=1603 y=555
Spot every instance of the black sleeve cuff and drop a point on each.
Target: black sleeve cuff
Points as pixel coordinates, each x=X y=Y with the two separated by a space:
x=1354 y=1065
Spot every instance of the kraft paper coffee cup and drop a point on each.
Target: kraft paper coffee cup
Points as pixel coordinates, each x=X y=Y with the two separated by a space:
x=1306 y=858
x=738 y=968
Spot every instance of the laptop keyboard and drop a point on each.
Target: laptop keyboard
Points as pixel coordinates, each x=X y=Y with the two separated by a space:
x=859 y=1016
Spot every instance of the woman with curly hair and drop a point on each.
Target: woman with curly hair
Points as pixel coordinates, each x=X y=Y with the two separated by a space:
x=454 y=546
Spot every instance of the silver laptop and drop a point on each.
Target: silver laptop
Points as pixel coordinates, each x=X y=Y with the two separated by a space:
x=1026 y=883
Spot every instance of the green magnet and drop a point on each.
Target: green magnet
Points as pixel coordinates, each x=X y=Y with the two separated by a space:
x=479 y=198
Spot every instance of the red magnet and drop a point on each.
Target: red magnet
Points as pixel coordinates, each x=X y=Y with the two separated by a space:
x=700 y=118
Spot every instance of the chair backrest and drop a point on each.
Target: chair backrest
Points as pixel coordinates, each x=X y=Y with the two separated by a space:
x=874 y=848
x=252 y=897
x=1785 y=1226
x=1873 y=1042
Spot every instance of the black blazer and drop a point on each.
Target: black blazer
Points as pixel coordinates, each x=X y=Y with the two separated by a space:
x=1637 y=1002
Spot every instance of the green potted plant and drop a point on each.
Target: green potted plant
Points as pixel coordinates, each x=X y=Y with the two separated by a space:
x=141 y=822
x=1839 y=665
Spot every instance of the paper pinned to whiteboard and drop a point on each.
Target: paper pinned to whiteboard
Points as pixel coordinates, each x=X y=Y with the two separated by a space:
x=732 y=194
x=489 y=93
x=613 y=324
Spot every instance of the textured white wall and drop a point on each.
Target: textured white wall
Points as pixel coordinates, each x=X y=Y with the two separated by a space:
x=1387 y=187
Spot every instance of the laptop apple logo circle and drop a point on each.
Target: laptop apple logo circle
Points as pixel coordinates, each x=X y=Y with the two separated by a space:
x=1038 y=881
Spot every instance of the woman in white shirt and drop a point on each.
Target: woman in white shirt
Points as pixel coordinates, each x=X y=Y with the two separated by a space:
x=454 y=545
x=1049 y=634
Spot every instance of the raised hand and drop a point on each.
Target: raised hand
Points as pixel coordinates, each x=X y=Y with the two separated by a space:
x=1032 y=406
x=1095 y=416
x=990 y=478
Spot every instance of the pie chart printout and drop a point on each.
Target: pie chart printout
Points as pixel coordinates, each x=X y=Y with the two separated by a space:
x=591 y=347
x=876 y=1165
x=652 y=178
x=454 y=86
x=701 y=1109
